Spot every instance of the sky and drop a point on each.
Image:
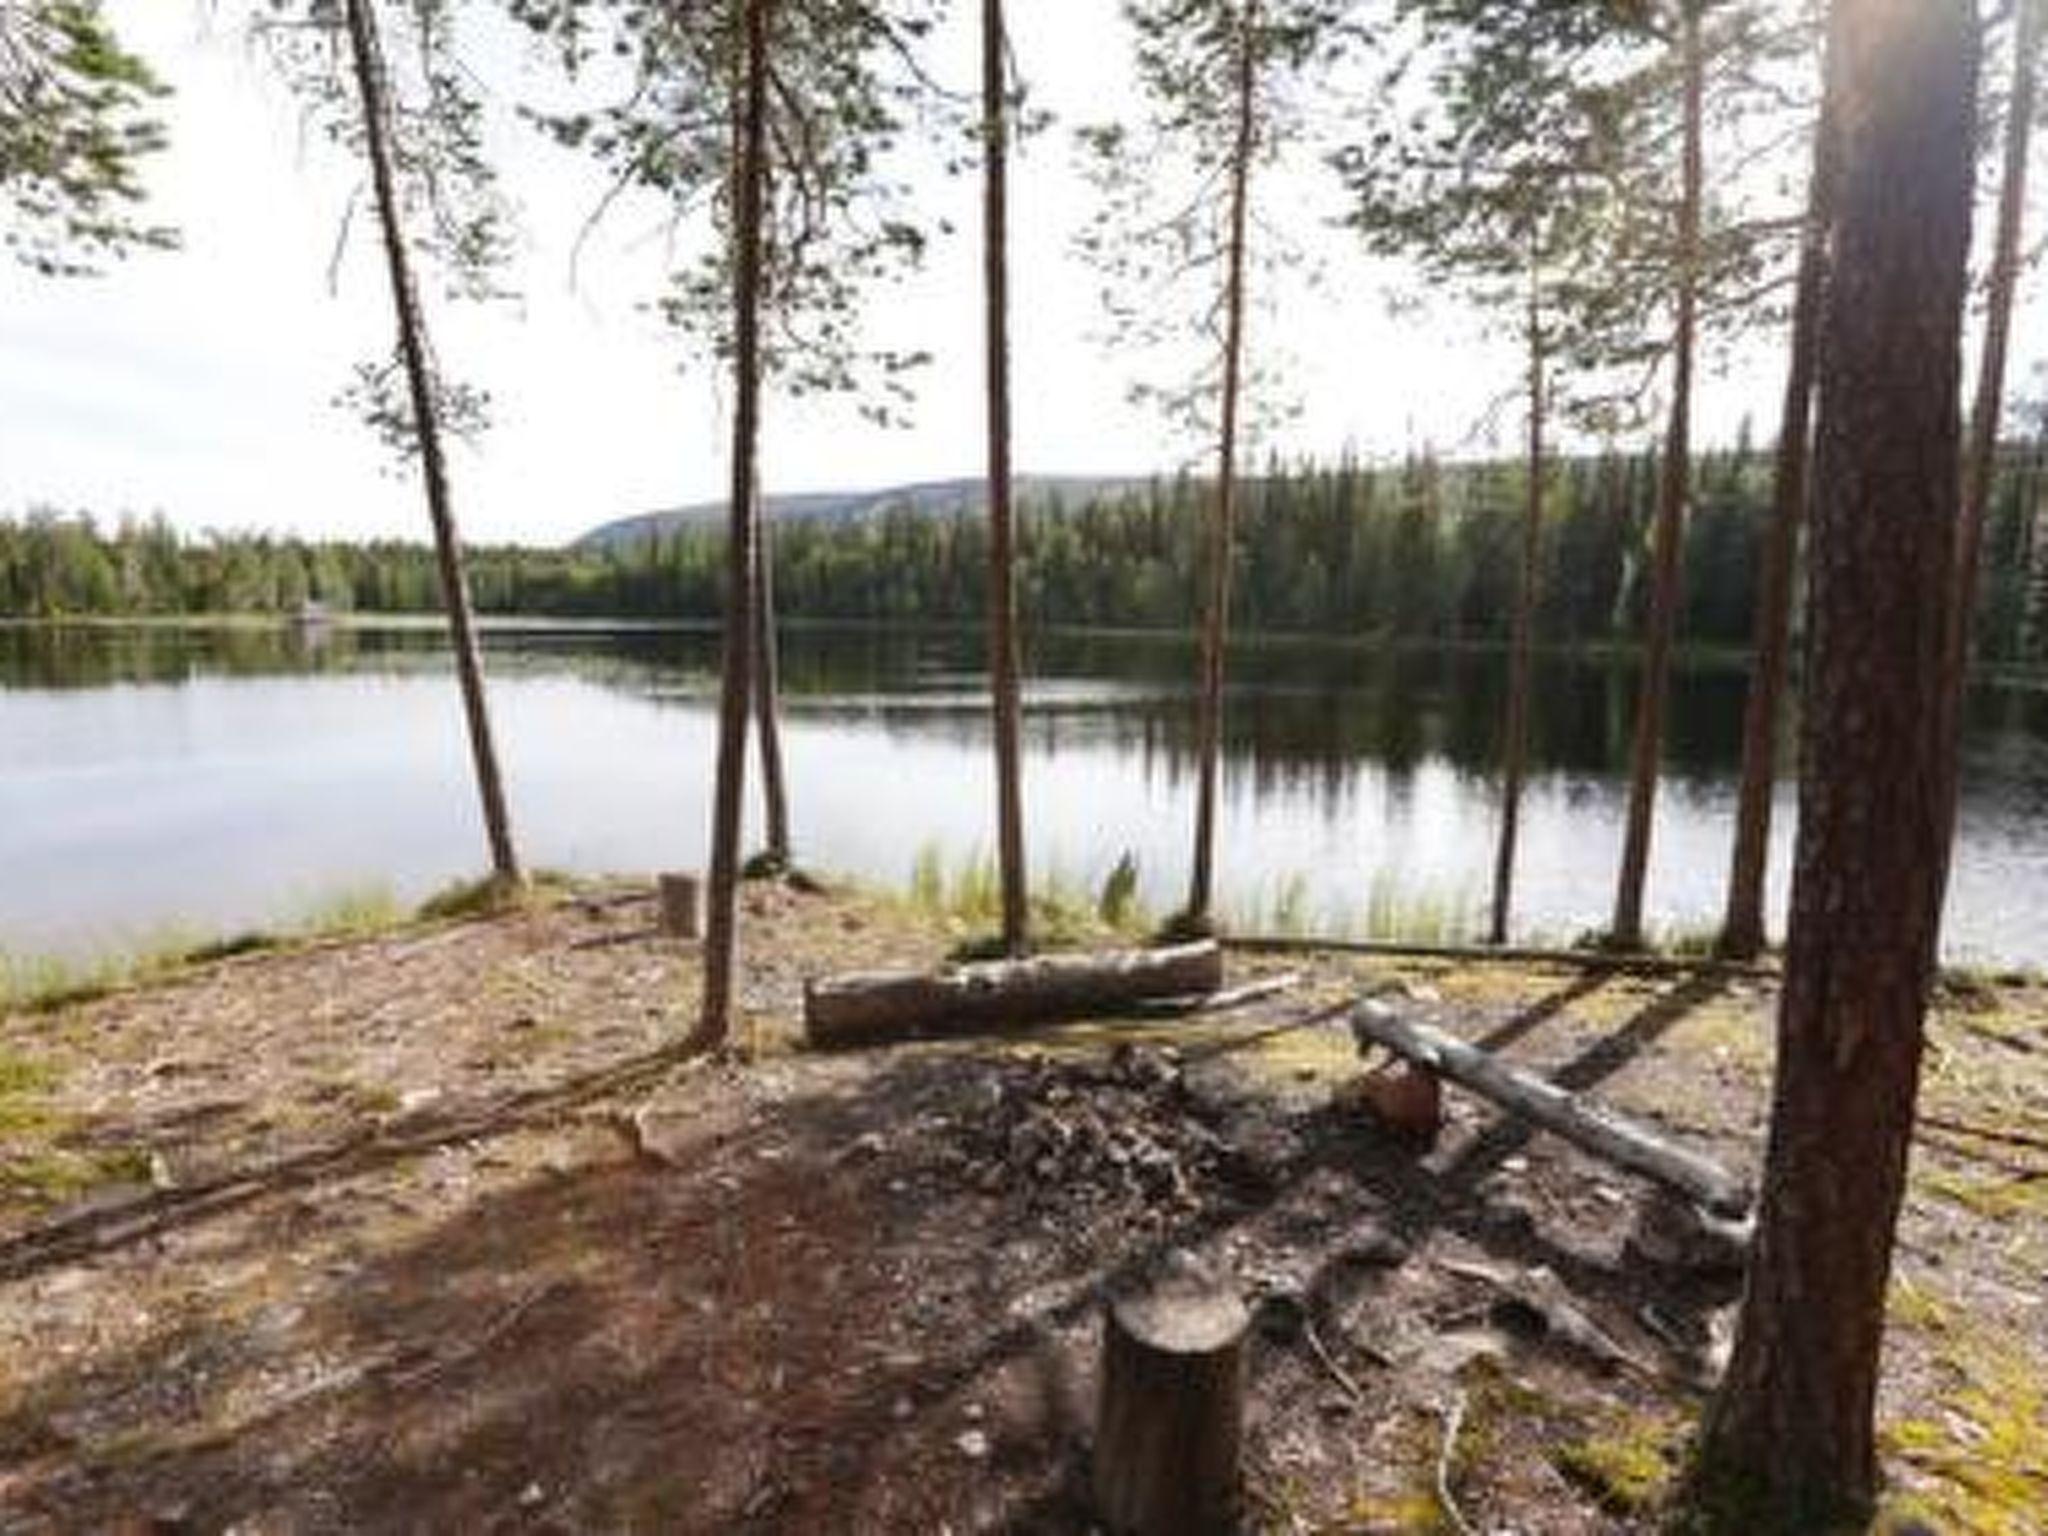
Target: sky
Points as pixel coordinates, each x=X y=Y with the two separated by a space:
x=201 y=384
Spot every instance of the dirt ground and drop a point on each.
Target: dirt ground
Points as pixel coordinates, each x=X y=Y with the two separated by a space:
x=435 y=1231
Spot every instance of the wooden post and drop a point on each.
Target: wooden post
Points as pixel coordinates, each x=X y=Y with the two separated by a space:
x=682 y=906
x=1171 y=1420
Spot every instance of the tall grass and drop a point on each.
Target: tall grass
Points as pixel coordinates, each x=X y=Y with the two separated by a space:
x=37 y=983
x=964 y=892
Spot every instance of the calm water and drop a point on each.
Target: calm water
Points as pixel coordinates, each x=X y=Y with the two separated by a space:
x=210 y=779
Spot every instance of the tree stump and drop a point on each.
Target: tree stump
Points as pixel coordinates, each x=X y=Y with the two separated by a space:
x=1171 y=1414
x=682 y=906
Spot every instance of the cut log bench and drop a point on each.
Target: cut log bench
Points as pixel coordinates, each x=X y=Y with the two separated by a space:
x=1599 y=1131
x=1170 y=1422
x=870 y=1007
x=682 y=905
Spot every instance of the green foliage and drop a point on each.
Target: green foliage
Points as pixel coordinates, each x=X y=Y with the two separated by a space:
x=75 y=129
x=1409 y=554
x=1161 y=232
x=848 y=91
x=453 y=212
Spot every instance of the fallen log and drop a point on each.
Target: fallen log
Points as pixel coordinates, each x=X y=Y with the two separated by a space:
x=1218 y=1002
x=871 y=1006
x=1554 y=1109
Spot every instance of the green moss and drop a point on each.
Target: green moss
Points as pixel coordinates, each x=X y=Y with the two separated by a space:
x=1979 y=1461
x=24 y=1084
x=1630 y=1465
x=1996 y=1197
x=1914 y=1307
x=52 y=1175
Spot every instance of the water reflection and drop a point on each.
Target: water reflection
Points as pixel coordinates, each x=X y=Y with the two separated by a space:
x=287 y=760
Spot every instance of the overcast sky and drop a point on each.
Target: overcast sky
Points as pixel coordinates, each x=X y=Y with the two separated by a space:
x=200 y=383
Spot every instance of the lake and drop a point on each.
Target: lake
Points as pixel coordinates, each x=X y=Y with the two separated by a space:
x=206 y=779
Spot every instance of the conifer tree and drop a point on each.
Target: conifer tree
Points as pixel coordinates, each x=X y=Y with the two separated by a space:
x=76 y=129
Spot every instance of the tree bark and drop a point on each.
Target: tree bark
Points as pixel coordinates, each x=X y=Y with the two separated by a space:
x=1002 y=581
x=1515 y=735
x=1742 y=923
x=768 y=689
x=1790 y=1434
x=871 y=1006
x=1980 y=463
x=371 y=86
x=1223 y=527
x=721 y=939
x=1170 y=1427
x=1626 y=931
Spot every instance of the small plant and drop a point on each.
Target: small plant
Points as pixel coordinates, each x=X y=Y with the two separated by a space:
x=1119 y=898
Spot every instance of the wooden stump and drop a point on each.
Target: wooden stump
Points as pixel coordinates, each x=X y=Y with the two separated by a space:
x=682 y=905
x=1171 y=1415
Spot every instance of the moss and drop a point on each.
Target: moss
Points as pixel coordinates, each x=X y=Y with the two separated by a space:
x=24 y=1084
x=1979 y=1461
x=1630 y=1465
x=1996 y=1197
x=53 y=1175
x=1914 y=1307
x=1412 y=1512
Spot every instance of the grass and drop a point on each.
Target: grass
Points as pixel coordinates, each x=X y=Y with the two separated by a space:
x=46 y=983
x=964 y=894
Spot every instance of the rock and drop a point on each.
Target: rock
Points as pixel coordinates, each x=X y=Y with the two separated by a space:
x=1376 y=1250
x=864 y=1148
x=973 y=1444
x=1673 y=1233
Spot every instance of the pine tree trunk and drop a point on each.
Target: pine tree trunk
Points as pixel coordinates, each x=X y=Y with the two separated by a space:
x=768 y=689
x=1742 y=923
x=1223 y=526
x=1515 y=736
x=1626 y=932
x=368 y=59
x=1002 y=582
x=721 y=936
x=1980 y=464
x=1790 y=1431
x=369 y=70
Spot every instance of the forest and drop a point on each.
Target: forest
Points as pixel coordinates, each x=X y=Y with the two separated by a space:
x=1513 y=1208
x=1419 y=552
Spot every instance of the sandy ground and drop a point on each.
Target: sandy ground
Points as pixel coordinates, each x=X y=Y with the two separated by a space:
x=436 y=1231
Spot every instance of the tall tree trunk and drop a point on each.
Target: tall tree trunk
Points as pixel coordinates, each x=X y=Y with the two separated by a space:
x=1223 y=526
x=1515 y=736
x=1792 y=1423
x=1626 y=932
x=768 y=688
x=1002 y=584
x=721 y=933
x=371 y=87
x=1980 y=464
x=1742 y=923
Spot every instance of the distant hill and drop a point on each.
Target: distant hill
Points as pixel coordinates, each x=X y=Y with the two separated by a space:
x=934 y=497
